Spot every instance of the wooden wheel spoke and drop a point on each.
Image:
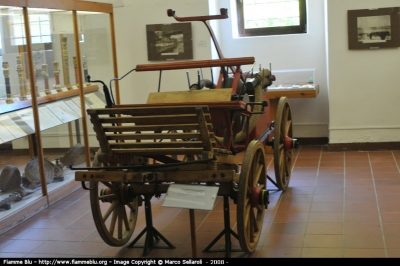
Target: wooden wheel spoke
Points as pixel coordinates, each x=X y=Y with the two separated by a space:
x=282 y=136
x=131 y=207
x=249 y=190
x=125 y=218
x=109 y=210
x=289 y=155
x=286 y=114
x=107 y=184
x=120 y=221
x=259 y=171
x=249 y=223
x=255 y=225
x=113 y=221
x=288 y=127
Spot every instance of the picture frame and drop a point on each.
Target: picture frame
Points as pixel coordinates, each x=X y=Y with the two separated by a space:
x=373 y=28
x=169 y=41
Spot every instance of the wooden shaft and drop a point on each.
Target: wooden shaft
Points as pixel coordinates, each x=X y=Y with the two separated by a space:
x=224 y=15
x=197 y=64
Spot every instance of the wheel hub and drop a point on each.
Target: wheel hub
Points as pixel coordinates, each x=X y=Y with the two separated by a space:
x=259 y=197
x=125 y=194
x=290 y=143
x=106 y=192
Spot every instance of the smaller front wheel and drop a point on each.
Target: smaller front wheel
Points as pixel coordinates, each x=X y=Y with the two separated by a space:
x=114 y=209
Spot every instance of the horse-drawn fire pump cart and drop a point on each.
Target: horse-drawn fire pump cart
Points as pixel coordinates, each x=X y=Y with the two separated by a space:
x=189 y=137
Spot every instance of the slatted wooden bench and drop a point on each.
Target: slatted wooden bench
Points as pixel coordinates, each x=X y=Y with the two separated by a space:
x=153 y=131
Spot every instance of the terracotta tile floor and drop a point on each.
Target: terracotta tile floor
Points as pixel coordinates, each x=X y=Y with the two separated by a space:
x=339 y=204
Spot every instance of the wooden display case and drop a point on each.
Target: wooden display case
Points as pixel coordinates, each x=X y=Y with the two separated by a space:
x=47 y=50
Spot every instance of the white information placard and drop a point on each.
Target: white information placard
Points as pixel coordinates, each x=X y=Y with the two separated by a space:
x=191 y=196
x=74 y=107
x=5 y=134
x=24 y=120
x=26 y=116
x=94 y=101
x=77 y=101
x=12 y=127
x=62 y=111
x=47 y=118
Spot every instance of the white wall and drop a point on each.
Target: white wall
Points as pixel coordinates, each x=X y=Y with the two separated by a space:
x=363 y=84
x=130 y=23
x=310 y=116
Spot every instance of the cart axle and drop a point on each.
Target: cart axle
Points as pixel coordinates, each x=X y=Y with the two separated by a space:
x=259 y=197
x=290 y=143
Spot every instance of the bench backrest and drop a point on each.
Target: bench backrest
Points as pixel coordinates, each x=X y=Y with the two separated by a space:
x=153 y=131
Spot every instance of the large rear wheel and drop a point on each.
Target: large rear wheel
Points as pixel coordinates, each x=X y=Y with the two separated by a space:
x=252 y=196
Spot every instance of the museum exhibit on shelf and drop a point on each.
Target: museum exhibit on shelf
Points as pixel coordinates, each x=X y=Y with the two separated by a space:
x=47 y=56
x=199 y=129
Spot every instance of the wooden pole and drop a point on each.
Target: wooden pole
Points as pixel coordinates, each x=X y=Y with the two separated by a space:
x=193 y=233
x=35 y=107
x=81 y=88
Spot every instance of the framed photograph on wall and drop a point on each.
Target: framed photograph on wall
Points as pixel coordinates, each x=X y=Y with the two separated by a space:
x=373 y=28
x=169 y=41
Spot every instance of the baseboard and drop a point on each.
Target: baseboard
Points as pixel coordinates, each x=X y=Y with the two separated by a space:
x=6 y=146
x=313 y=141
x=367 y=146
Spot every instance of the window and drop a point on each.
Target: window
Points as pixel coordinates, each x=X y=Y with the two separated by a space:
x=39 y=26
x=271 y=17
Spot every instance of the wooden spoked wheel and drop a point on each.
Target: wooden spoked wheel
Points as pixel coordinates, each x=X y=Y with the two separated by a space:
x=114 y=210
x=250 y=215
x=283 y=143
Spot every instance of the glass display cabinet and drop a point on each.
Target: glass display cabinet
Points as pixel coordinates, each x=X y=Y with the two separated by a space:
x=48 y=48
